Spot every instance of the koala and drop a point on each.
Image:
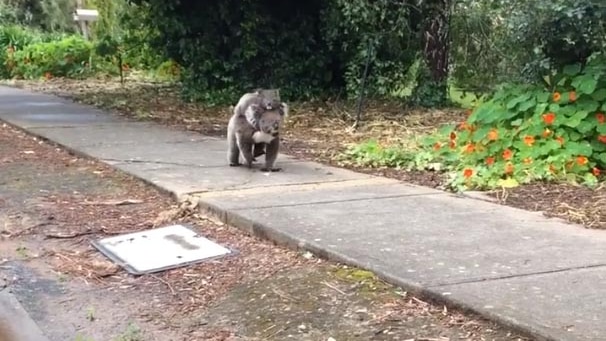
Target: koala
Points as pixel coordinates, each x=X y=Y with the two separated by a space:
x=263 y=132
x=268 y=100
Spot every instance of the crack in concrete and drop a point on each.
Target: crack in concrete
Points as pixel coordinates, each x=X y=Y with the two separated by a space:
x=523 y=275
x=337 y=201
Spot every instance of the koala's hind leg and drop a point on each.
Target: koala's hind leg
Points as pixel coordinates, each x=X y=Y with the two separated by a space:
x=246 y=150
x=233 y=151
x=259 y=149
x=271 y=154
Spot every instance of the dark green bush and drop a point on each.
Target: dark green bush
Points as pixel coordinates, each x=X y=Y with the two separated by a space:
x=307 y=49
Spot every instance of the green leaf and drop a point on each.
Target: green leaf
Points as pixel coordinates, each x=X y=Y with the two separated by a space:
x=549 y=146
x=598 y=146
x=601 y=128
x=527 y=104
x=585 y=127
x=601 y=157
x=585 y=84
x=540 y=108
x=515 y=101
x=543 y=97
x=590 y=179
x=517 y=123
x=574 y=120
x=574 y=136
x=578 y=148
x=554 y=107
x=599 y=95
x=587 y=103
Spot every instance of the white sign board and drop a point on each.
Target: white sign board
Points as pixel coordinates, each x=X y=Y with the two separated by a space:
x=86 y=15
x=159 y=249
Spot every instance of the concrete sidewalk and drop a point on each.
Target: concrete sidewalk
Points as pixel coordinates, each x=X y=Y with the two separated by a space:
x=517 y=267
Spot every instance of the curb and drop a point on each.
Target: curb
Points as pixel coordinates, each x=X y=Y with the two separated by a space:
x=15 y=322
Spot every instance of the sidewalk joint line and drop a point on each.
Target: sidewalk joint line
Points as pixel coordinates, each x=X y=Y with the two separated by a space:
x=394 y=196
x=498 y=278
x=120 y=161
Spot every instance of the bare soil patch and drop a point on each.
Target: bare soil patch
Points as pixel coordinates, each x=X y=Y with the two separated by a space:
x=320 y=131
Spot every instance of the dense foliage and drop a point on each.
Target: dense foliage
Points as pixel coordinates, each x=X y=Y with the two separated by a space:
x=305 y=48
x=497 y=41
x=120 y=41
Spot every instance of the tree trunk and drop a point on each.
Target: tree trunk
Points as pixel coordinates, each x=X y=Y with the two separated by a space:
x=436 y=39
x=433 y=89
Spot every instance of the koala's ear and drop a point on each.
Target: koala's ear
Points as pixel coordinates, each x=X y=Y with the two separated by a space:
x=283 y=109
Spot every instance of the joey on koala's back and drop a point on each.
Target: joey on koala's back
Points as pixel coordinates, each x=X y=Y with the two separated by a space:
x=242 y=135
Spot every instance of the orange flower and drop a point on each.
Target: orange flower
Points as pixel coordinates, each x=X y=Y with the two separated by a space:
x=556 y=96
x=600 y=117
x=509 y=168
x=493 y=134
x=490 y=160
x=552 y=169
x=572 y=96
x=549 y=118
x=452 y=144
x=546 y=133
x=437 y=146
x=528 y=160
x=582 y=160
x=453 y=135
x=596 y=171
x=529 y=140
x=561 y=140
x=602 y=138
x=470 y=148
x=467 y=173
x=48 y=75
x=507 y=154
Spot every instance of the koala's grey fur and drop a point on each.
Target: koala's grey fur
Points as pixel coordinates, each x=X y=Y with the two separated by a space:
x=267 y=99
x=242 y=136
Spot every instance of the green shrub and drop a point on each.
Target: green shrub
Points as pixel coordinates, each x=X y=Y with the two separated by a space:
x=67 y=57
x=13 y=38
x=523 y=133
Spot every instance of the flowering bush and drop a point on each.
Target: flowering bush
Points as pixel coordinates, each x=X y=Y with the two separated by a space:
x=521 y=134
